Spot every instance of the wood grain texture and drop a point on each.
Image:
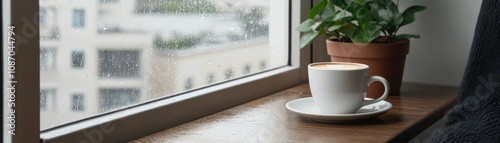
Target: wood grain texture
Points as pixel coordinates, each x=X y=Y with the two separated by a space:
x=267 y=120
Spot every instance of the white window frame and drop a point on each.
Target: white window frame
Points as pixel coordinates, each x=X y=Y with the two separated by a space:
x=136 y=121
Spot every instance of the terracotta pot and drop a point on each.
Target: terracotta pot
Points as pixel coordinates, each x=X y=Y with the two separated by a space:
x=385 y=59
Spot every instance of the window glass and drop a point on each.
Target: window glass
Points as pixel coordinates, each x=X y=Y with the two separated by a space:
x=229 y=73
x=141 y=50
x=78 y=59
x=47 y=99
x=78 y=18
x=210 y=78
x=112 y=98
x=188 y=84
x=119 y=63
x=49 y=28
x=43 y=17
x=247 y=68
x=47 y=58
x=77 y=102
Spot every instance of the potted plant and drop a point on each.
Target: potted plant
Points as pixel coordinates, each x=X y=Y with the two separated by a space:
x=363 y=31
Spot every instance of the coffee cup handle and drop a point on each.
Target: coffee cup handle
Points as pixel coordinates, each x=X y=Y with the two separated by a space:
x=386 y=91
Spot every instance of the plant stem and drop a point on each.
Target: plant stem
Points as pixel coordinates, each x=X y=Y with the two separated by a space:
x=385 y=33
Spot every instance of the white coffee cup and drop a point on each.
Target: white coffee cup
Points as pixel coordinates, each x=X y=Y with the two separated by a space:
x=340 y=87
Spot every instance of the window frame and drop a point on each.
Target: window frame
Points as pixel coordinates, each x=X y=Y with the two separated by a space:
x=27 y=88
x=148 y=117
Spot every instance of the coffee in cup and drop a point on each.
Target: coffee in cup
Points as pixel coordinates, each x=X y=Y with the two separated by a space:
x=340 y=87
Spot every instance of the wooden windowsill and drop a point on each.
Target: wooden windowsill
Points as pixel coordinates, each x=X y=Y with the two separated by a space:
x=267 y=120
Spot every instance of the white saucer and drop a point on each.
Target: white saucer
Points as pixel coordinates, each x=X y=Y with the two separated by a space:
x=306 y=107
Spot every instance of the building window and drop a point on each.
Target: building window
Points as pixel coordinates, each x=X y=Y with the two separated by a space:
x=246 y=69
x=47 y=58
x=119 y=63
x=78 y=18
x=43 y=16
x=263 y=65
x=188 y=84
x=47 y=99
x=229 y=74
x=113 y=98
x=77 y=102
x=210 y=78
x=78 y=59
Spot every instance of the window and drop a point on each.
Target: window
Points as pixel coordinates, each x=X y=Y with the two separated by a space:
x=263 y=65
x=228 y=74
x=43 y=17
x=48 y=23
x=77 y=102
x=78 y=59
x=112 y=98
x=47 y=99
x=246 y=69
x=162 y=42
x=47 y=58
x=78 y=18
x=210 y=78
x=188 y=84
x=119 y=63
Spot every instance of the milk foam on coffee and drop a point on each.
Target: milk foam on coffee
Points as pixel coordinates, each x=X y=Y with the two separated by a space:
x=338 y=66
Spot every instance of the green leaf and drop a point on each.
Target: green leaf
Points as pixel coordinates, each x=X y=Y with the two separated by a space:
x=360 y=1
x=340 y=15
x=374 y=7
x=316 y=25
x=331 y=6
x=305 y=26
x=383 y=9
x=384 y=2
x=334 y=27
x=385 y=14
x=317 y=9
x=364 y=15
x=406 y=36
x=409 y=14
x=366 y=33
x=397 y=19
x=340 y=3
x=346 y=19
x=328 y=12
x=353 y=7
x=308 y=37
x=393 y=23
x=348 y=29
x=392 y=6
x=383 y=23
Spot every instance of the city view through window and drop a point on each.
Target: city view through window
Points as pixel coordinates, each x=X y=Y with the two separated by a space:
x=102 y=55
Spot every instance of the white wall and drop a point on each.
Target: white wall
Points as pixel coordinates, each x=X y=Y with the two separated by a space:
x=446 y=28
